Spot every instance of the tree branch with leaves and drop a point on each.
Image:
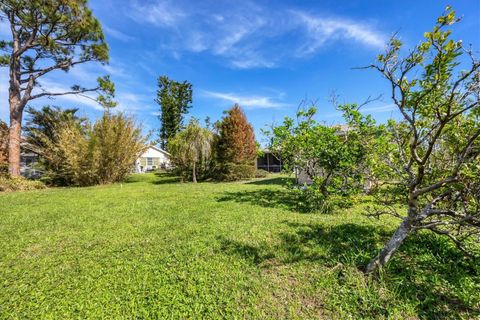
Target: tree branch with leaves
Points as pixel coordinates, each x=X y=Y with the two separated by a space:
x=435 y=166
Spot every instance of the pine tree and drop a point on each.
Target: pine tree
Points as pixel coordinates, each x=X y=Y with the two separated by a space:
x=174 y=99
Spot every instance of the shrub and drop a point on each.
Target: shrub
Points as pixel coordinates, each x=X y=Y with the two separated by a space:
x=97 y=154
x=260 y=173
x=10 y=183
x=234 y=172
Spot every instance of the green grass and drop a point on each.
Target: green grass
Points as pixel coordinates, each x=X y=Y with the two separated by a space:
x=156 y=248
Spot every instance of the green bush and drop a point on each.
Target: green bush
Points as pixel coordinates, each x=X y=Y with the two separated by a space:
x=260 y=173
x=101 y=153
x=309 y=198
x=9 y=183
x=233 y=172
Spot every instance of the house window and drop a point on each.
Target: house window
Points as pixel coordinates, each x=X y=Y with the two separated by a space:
x=149 y=161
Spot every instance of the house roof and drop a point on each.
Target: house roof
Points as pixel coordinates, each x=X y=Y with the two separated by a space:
x=159 y=149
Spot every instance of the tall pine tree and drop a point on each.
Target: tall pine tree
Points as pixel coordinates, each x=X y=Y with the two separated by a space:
x=175 y=99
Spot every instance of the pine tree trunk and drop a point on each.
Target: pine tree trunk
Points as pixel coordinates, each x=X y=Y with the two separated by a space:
x=14 y=138
x=390 y=247
x=194 y=174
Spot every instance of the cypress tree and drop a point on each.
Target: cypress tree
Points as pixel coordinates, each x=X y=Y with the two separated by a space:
x=236 y=146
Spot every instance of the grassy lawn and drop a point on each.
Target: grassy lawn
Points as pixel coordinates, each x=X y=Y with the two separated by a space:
x=156 y=248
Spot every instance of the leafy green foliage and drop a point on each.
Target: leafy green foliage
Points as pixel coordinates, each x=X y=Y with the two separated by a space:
x=93 y=154
x=236 y=147
x=191 y=150
x=42 y=124
x=9 y=183
x=434 y=164
x=57 y=29
x=41 y=131
x=260 y=173
x=333 y=158
x=174 y=99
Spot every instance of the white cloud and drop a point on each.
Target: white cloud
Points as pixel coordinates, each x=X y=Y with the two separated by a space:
x=114 y=33
x=251 y=59
x=86 y=99
x=247 y=101
x=85 y=75
x=163 y=13
x=132 y=102
x=247 y=35
x=320 y=30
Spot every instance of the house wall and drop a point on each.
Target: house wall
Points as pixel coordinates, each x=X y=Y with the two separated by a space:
x=154 y=153
x=159 y=160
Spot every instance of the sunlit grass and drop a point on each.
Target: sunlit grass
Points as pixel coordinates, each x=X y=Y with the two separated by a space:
x=156 y=248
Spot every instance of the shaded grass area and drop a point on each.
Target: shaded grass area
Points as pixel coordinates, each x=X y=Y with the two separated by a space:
x=157 y=248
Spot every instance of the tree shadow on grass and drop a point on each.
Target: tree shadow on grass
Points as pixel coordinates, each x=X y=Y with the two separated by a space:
x=268 y=198
x=166 y=178
x=347 y=244
x=279 y=181
x=427 y=271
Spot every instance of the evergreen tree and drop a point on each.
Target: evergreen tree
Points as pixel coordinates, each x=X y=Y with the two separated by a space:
x=236 y=147
x=44 y=123
x=174 y=99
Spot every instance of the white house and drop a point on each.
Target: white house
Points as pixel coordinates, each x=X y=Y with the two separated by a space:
x=152 y=159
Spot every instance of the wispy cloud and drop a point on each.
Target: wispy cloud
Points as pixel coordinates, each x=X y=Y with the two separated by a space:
x=247 y=35
x=321 y=30
x=379 y=109
x=114 y=33
x=128 y=102
x=247 y=101
x=163 y=13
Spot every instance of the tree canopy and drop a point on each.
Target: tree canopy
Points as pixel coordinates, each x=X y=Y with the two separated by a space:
x=174 y=99
x=191 y=149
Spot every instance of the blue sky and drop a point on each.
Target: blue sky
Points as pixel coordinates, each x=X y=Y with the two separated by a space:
x=266 y=55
